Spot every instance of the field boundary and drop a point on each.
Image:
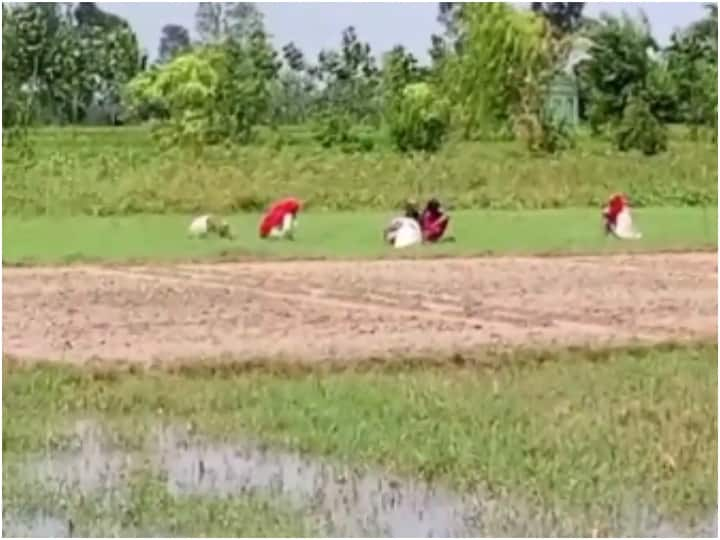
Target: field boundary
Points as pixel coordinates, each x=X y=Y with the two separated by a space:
x=488 y=359
x=270 y=258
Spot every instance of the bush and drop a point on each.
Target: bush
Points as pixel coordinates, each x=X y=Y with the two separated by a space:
x=543 y=134
x=336 y=130
x=640 y=130
x=418 y=119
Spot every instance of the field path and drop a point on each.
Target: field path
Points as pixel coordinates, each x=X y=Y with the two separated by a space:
x=346 y=310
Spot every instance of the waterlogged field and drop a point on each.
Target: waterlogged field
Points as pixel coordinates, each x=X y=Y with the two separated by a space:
x=498 y=396
x=610 y=443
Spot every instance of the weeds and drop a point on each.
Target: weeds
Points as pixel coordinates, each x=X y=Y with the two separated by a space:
x=577 y=434
x=119 y=172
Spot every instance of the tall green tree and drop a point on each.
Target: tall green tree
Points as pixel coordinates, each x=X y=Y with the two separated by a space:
x=88 y=14
x=217 y=21
x=295 y=94
x=563 y=17
x=63 y=64
x=504 y=54
x=692 y=65
x=619 y=66
x=350 y=79
x=174 y=39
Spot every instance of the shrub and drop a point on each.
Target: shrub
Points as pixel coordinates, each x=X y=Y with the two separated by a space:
x=337 y=130
x=640 y=130
x=418 y=119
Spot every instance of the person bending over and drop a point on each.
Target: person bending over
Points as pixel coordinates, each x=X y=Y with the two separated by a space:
x=280 y=221
x=617 y=218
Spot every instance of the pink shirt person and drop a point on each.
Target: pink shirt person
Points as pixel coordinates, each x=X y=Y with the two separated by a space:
x=433 y=221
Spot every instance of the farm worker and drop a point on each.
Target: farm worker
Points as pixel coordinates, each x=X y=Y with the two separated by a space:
x=280 y=221
x=433 y=221
x=618 y=218
x=405 y=231
x=202 y=226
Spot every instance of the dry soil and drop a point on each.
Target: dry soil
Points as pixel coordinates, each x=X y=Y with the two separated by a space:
x=348 y=310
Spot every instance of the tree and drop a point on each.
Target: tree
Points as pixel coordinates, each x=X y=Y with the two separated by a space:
x=174 y=39
x=618 y=67
x=640 y=129
x=449 y=15
x=63 y=65
x=294 y=57
x=350 y=79
x=400 y=68
x=564 y=17
x=215 y=21
x=215 y=92
x=692 y=65
x=418 y=119
x=87 y=14
x=504 y=54
x=294 y=94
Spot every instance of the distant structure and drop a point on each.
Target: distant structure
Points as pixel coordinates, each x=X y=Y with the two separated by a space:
x=563 y=101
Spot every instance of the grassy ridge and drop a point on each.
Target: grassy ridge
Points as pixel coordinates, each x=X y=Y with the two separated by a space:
x=119 y=171
x=345 y=235
x=587 y=434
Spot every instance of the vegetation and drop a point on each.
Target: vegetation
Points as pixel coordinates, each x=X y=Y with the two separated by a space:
x=43 y=240
x=225 y=124
x=579 y=431
x=112 y=171
x=640 y=130
x=144 y=506
x=494 y=62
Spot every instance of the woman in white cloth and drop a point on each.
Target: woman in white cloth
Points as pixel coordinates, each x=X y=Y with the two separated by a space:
x=405 y=231
x=618 y=220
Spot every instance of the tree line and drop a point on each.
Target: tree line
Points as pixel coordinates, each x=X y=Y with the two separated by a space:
x=491 y=70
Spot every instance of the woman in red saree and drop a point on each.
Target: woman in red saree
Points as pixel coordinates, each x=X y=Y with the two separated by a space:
x=280 y=221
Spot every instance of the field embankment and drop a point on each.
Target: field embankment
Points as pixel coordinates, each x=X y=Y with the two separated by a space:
x=121 y=171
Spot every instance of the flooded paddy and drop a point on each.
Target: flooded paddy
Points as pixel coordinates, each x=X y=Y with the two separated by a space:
x=333 y=499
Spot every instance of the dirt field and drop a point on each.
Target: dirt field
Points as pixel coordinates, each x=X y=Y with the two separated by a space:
x=345 y=310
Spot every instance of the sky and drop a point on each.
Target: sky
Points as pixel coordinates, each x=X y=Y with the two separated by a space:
x=317 y=26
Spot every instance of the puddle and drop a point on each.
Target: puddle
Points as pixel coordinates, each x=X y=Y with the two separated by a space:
x=341 y=500
x=37 y=525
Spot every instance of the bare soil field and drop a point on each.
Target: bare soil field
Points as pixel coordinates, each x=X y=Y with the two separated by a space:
x=348 y=310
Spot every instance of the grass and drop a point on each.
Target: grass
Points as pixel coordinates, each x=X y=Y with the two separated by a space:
x=145 y=507
x=345 y=235
x=577 y=431
x=121 y=171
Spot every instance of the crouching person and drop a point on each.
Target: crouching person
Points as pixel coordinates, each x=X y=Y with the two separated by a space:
x=280 y=221
x=617 y=218
x=404 y=231
x=433 y=221
x=202 y=226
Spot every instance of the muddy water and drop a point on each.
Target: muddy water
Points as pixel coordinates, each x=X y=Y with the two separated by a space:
x=340 y=500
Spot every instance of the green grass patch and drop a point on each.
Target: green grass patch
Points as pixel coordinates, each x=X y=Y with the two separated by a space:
x=581 y=432
x=347 y=235
x=121 y=171
x=143 y=506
